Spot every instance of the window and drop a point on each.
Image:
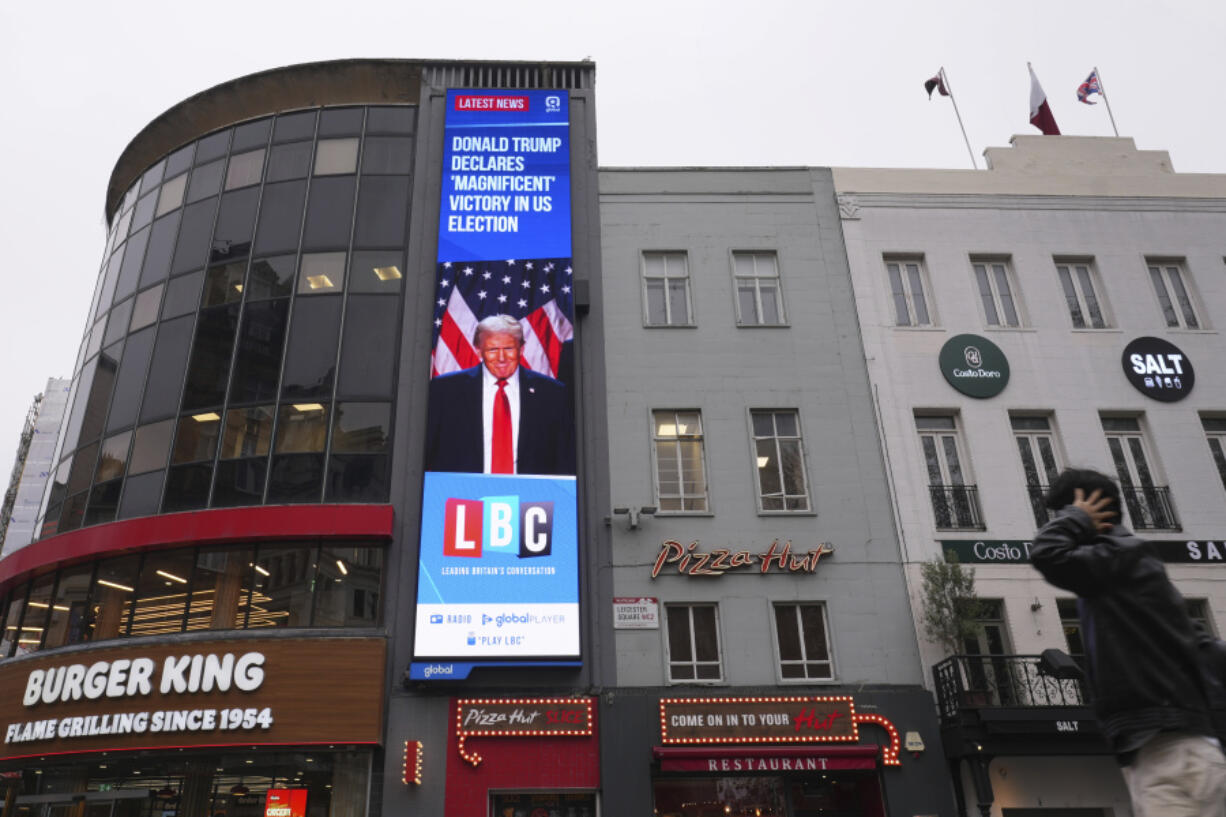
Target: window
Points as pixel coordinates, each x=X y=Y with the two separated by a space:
x=780 y=461
x=666 y=289
x=1077 y=281
x=1149 y=504
x=1173 y=289
x=1198 y=611
x=759 y=301
x=1040 y=463
x=693 y=642
x=804 y=643
x=1215 y=434
x=681 y=480
x=996 y=290
x=907 y=289
x=955 y=502
x=1070 y=622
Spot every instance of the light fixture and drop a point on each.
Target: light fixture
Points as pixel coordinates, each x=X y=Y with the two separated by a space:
x=308 y=407
x=340 y=565
x=116 y=585
x=206 y=417
x=165 y=575
x=320 y=281
x=63 y=608
x=238 y=287
x=239 y=790
x=262 y=571
x=40 y=604
x=387 y=273
x=763 y=461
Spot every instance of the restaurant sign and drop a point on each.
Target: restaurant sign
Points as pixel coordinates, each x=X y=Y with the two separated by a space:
x=790 y=719
x=1017 y=551
x=778 y=558
x=249 y=691
x=520 y=717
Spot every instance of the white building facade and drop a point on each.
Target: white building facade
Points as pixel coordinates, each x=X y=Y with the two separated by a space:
x=1063 y=307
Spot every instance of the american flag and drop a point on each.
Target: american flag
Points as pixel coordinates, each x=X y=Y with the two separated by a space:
x=1090 y=86
x=537 y=292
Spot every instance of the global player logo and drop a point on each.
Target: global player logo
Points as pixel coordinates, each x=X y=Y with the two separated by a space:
x=553 y=104
x=501 y=524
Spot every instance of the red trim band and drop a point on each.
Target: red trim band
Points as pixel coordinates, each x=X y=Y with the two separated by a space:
x=216 y=526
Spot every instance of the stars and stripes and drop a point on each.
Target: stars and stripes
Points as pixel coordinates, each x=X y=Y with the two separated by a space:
x=537 y=292
x=1090 y=86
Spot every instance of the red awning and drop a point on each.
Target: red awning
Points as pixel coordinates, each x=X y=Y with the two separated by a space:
x=765 y=758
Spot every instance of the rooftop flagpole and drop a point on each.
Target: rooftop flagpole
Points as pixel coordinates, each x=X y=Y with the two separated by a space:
x=1107 y=99
x=952 y=98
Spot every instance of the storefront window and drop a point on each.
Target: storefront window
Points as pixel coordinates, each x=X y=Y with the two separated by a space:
x=814 y=794
x=221 y=590
x=284 y=580
x=70 y=609
x=238 y=784
x=34 y=624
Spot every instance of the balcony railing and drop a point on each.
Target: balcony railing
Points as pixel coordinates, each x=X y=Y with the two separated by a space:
x=1150 y=508
x=1037 y=494
x=956 y=507
x=980 y=681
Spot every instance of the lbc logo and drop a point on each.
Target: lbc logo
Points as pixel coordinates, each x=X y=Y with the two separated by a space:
x=501 y=524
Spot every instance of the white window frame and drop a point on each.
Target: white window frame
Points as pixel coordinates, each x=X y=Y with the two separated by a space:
x=1029 y=445
x=1083 y=293
x=1000 y=309
x=774 y=442
x=669 y=259
x=693 y=662
x=1215 y=437
x=763 y=266
x=1144 y=470
x=660 y=443
x=953 y=474
x=905 y=275
x=804 y=660
x=1175 y=292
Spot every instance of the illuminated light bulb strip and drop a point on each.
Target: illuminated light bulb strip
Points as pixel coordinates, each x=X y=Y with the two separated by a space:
x=847 y=699
x=463 y=734
x=889 y=754
x=414 y=747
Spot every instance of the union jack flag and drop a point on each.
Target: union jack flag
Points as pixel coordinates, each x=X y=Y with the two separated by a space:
x=537 y=292
x=1090 y=86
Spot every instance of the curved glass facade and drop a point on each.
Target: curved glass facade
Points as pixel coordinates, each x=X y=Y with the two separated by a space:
x=159 y=592
x=243 y=336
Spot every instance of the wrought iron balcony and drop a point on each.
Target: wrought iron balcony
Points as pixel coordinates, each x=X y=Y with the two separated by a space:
x=1150 y=508
x=956 y=507
x=966 y=682
x=1037 y=494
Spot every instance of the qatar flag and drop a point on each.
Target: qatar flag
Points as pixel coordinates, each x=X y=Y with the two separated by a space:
x=1040 y=112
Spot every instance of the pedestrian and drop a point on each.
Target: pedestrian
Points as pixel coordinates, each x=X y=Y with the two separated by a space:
x=1150 y=695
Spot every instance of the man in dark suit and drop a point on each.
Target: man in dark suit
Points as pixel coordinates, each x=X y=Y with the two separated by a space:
x=499 y=417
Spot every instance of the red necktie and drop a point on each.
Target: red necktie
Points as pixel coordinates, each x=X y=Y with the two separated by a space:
x=502 y=460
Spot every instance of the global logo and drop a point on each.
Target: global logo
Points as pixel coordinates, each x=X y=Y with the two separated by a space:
x=973 y=358
x=553 y=104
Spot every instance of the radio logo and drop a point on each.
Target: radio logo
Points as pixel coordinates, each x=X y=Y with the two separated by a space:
x=500 y=524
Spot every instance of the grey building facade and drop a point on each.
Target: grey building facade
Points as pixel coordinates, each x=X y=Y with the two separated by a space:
x=741 y=424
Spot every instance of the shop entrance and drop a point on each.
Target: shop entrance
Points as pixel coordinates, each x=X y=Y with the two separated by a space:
x=126 y=803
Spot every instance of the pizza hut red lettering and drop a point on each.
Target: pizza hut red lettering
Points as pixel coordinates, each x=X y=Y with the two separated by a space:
x=809 y=718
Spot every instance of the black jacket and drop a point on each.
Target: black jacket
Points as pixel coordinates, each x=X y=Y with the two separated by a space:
x=1141 y=646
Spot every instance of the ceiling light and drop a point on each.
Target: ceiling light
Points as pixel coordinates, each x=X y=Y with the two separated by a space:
x=206 y=417
x=320 y=281
x=238 y=287
x=262 y=571
x=308 y=407
x=116 y=585
x=41 y=604
x=63 y=608
x=341 y=567
x=762 y=461
x=171 y=576
x=387 y=273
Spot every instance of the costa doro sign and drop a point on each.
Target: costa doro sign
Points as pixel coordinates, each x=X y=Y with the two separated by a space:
x=974 y=366
x=1017 y=551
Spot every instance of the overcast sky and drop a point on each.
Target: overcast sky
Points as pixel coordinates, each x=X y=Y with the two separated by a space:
x=766 y=82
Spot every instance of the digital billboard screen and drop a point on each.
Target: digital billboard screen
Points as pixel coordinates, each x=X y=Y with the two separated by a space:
x=498 y=565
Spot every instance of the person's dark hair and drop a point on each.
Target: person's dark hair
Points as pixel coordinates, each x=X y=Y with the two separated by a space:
x=1064 y=487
